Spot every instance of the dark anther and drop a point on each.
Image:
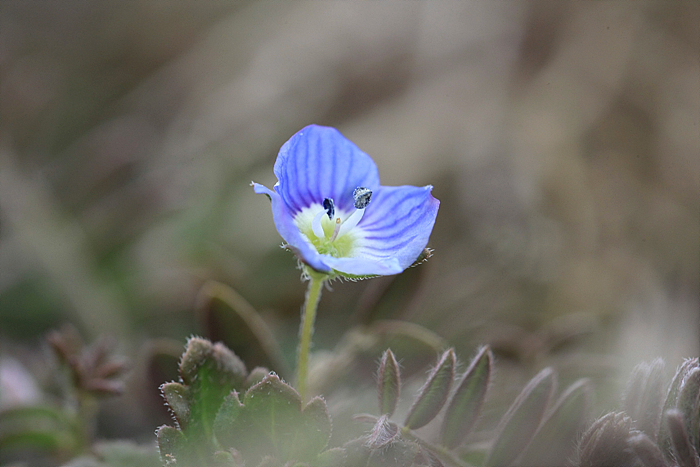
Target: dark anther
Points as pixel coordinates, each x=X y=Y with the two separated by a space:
x=329 y=207
x=362 y=196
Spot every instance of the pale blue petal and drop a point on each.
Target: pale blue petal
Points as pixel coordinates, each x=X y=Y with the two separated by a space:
x=397 y=224
x=360 y=266
x=284 y=222
x=318 y=162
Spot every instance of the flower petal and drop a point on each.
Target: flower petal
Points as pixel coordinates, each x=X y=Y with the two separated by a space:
x=284 y=222
x=361 y=266
x=317 y=163
x=398 y=223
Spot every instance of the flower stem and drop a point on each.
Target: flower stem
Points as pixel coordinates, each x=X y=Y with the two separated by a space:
x=313 y=295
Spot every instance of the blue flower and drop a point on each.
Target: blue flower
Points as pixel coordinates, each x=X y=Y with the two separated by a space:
x=331 y=210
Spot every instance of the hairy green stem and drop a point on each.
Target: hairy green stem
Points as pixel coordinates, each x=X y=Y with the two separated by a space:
x=313 y=295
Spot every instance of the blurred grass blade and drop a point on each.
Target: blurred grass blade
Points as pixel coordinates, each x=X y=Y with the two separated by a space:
x=389 y=383
x=519 y=424
x=465 y=406
x=229 y=318
x=556 y=438
x=433 y=394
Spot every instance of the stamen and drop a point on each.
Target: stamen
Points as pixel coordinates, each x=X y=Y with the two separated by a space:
x=336 y=230
x=317 y=227
x=362 y=196
x=329 y=207
x=350 y=223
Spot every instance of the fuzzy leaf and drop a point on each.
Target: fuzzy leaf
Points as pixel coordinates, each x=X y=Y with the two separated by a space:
x=270 y=421
x=643 y=396
x=647 y=451
x=465 y=406
x=211 y=372
x=687 y=404
x=519 y=424
x=433 y=394
x=664 y=438
x=389 y=383
x=605 y=443
x=555 y=440
x=175 y=395
x=172 y=445
x=684 y=453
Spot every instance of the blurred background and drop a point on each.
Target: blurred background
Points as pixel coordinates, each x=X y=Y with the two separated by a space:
x=562 y=139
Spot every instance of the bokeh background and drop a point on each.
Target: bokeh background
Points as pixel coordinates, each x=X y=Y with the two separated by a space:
x=562 y=138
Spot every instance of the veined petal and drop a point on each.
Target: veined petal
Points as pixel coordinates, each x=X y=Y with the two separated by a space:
x=398 y=223
x=319 y=162
x=361 y=266
x=284 y=222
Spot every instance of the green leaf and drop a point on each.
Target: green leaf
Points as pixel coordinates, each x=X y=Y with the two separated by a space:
x=643 y=396
x=519 y=424
x=465 y=406
x=270 y=421
x=175 y=395
x=687 y=404
x=664 y=438
x=684 y=453
x=556 y=438
x=211 y=372
x=605 y=442
x=389 y=383
x=646 y=450
x=221 y=365
x=433 y=394
x=172 y=445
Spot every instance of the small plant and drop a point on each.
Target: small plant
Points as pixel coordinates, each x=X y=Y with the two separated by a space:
x=226 y=416
x=67 y=430
x=653 y=430
x=531 y=424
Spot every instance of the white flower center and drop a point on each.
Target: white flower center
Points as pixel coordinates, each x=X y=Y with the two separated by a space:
x=334 y=232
